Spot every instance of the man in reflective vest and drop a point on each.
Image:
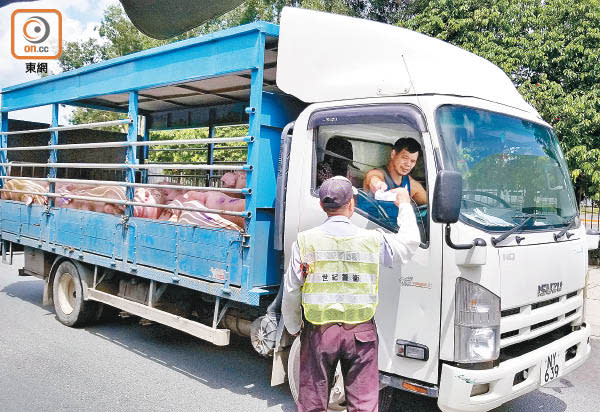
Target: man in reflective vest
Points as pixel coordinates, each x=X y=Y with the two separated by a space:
x=333 y=275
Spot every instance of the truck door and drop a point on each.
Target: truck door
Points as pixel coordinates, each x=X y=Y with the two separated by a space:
x=350 y=141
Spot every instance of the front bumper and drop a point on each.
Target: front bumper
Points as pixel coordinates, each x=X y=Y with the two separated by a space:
x=456 y=383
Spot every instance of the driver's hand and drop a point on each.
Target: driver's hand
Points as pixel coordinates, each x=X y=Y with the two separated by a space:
x=376 y=185
x=402 y=196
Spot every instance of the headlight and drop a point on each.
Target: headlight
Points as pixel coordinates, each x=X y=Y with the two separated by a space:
x=476 y=323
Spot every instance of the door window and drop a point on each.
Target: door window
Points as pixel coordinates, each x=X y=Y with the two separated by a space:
x=363 y=151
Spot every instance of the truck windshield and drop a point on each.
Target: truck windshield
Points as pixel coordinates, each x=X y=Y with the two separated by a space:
x=511 y=169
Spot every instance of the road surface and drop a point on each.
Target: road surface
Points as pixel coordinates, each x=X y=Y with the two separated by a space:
x=123 y=365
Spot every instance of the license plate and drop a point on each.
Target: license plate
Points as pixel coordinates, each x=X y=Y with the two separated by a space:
x=552 y=367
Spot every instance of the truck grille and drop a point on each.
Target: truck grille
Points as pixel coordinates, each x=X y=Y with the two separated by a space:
x=530 y=321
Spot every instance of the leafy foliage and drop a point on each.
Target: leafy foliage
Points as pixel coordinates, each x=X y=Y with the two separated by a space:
x=550 y=49
x=586 y=173
x=78 y=54
x=190 y=153
x=385 y=11
x=236 y=152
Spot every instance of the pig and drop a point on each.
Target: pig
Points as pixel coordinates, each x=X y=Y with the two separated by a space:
x=150 y=196
x=170 y=194
x=26 y=185
x=142 y=195
x=210 y=200
x=234 y=180
x=199 y=218
x=194 y=195
x=202 y=199
x=179 y=199
x=103 y=206
x=221 y=201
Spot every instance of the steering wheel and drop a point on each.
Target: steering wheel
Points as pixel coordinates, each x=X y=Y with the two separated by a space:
x=373 y=202
x=485 y=194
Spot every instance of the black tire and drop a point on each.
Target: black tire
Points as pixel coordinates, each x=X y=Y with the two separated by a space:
x=67 y=292
x=386 y=398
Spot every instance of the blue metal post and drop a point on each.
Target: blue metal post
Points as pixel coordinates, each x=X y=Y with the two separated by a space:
x=53 y=158
x=254 y=153
x=210 y=158
x=3 y=144
x=132 y=134
x=145 y=150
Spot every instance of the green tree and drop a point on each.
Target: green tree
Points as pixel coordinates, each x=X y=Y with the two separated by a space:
x=385 y=11
x=78 y=54
x=550 y=49
x=586 y=172
x=122 y=37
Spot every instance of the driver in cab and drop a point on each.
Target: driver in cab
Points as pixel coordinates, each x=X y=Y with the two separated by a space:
x=403 y=159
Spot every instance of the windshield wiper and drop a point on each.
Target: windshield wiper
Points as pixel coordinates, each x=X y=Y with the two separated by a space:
x=565 y=230
x=496 y=240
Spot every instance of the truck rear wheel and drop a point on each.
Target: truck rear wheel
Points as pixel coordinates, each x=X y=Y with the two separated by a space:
x=70 y=307
x=337 y=397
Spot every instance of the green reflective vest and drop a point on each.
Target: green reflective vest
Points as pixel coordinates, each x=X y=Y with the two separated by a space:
x=341 y=281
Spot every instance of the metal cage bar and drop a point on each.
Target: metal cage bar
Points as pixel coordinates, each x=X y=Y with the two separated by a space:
x=71 y=127
x=248 y=139
x=130 y=166
x=244 y=190
x=201 y=149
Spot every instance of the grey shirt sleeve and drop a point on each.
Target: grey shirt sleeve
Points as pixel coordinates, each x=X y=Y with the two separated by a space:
x=291 y=305
x=402 y=245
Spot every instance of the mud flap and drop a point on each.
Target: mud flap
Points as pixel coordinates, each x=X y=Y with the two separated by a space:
x=279 y=371
x=283 y=342
x=46 y=301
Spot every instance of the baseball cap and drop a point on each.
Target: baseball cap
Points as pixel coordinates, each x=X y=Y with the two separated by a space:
x=336 y=192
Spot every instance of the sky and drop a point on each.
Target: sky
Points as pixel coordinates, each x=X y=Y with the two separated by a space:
x=80 y=19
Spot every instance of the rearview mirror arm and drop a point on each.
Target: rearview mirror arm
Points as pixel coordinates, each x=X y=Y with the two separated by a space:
x=476 y=242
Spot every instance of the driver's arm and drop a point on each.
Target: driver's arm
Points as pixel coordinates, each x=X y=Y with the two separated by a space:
x=418 y=192
x=374 y=180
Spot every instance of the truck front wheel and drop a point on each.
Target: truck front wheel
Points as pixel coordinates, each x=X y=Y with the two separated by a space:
x=67 y=289
x=337 y=397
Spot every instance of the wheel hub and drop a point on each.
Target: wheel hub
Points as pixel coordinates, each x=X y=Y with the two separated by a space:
x=67 y=294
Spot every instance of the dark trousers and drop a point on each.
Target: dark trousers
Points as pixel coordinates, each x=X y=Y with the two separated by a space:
x=321 y=349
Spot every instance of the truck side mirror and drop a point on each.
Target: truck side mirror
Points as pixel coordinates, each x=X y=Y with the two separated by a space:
x=447 y=196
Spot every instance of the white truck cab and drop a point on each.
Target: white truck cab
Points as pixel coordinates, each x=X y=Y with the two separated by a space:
x=491 y=305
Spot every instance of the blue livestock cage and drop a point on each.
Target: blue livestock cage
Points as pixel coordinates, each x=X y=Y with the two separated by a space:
x=224 y=78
